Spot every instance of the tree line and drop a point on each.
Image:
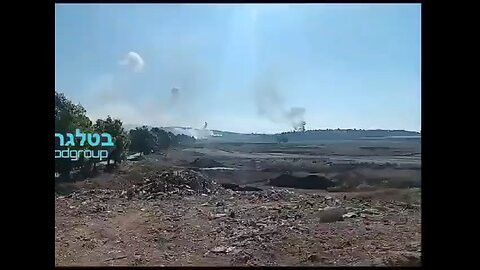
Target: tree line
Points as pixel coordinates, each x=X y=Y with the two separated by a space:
x=70 y=116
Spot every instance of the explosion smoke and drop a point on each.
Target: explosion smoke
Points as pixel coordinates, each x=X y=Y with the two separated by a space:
x=270 y=104
x=175 y=93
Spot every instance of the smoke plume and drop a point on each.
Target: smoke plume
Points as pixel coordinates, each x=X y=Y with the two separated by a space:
x=271 y=105
x=296 y=116
x=134 y=61
x=175 y=92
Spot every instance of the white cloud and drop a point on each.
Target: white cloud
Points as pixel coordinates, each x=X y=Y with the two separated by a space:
x=134 y=61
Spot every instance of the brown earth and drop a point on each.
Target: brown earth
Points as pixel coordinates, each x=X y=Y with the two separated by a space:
x=237 y=228
x=121 y=218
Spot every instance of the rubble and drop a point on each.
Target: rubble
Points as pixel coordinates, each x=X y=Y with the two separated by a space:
x=313 y=258
x=237 y=227
x=371 y=211
x=222 y=249
x=182 y=182
x=350 y=215
x=219 y=215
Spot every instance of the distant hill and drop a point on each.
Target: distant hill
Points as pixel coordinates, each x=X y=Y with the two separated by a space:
x=309 y=135
x=315 y=135
x=349 y=134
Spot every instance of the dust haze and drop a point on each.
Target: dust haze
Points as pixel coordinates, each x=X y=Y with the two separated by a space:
x=182 y=77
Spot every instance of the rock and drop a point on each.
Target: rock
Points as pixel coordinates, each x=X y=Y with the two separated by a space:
x=415 y=245
x=412 y=258
x=350 y=215
x=222 y=249
x=242 y=258
x=219 y=215
x=313 y=258
x=331 y=214
x=404 y=259
x=371 y=211
x=135 y=157
x=219 y=249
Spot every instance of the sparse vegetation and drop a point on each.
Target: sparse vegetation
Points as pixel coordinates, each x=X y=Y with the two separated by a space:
x=70 y=116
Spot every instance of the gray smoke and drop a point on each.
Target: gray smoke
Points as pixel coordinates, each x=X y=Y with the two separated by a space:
x=270 y=104
x=178 y=76
x=175 y=92
x=296 y=116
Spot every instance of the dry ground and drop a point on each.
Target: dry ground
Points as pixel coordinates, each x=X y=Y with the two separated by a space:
x=266 y=228
x=98 y=226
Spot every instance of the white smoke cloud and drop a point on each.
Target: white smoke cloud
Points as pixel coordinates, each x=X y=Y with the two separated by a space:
x=134 y=61
x=196 y=133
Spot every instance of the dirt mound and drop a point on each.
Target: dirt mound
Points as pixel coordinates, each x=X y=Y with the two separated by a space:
x=240 y=188
x=205 y=163
x=308 y=182
x=184 y=182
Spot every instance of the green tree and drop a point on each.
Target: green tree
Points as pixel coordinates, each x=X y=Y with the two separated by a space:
x=68 y=118
x=163 y=140
x=142 y=140
x=120 y=138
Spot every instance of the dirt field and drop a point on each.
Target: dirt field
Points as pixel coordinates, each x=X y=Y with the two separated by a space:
x=101 y=223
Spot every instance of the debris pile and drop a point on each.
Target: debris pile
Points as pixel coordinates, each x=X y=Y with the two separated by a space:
x=182 y=182
x=98 y=194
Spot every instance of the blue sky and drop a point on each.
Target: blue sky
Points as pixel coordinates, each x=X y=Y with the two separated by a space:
x=243 y=67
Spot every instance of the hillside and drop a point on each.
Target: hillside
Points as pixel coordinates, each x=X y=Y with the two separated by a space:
x=314 y=135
